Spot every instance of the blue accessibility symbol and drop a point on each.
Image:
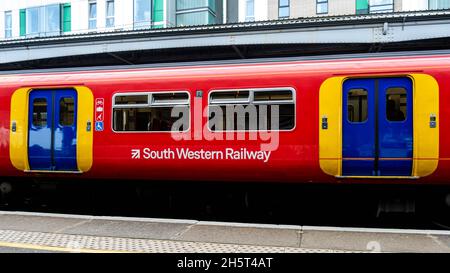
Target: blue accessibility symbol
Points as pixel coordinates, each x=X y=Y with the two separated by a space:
x=99 y=126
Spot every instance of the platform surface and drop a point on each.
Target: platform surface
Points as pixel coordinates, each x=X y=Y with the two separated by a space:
x=39 y=232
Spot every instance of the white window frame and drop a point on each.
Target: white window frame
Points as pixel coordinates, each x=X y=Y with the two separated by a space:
x=111 y=17
x=142 y=24
x=249 y=18
x=250 y=101
x=28 y=21
x=92 y=19
x=371 y=4
x=150 y=103
x=320 y=2
x=8 y=18
x=42 y=21
x=284 y=6
x=436 y=4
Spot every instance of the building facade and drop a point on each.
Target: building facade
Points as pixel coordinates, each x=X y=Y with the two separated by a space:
x=255 y=10
x=38 y=18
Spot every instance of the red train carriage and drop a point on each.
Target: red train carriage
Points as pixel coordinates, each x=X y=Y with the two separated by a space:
x=361 y=119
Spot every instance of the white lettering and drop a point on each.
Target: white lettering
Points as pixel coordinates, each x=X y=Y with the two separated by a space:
x=188 y=154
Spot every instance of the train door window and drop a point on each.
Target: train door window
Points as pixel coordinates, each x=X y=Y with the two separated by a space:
x=396 y=104
x=66 y=111
x=151 y=112
x=357 y=105
x=40 y=112
x=247 y=110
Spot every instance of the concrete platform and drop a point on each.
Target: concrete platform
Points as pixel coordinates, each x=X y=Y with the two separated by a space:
x=38 y=232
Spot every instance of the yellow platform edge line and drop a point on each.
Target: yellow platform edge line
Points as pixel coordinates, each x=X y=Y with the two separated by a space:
x=60 y=249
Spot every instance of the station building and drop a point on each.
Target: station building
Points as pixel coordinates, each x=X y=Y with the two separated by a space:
x=40 y=18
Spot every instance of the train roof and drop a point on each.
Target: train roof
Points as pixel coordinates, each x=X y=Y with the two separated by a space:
x=235 y=62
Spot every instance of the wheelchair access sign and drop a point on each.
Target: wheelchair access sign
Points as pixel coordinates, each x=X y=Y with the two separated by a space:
x=99 y=126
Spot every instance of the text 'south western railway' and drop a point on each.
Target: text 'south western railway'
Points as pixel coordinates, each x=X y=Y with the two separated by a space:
x=188 y=154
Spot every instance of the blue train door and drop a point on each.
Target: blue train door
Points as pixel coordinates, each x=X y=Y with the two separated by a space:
x=377 y=127
x=52 y=130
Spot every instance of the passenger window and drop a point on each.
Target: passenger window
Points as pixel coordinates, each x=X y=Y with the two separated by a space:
x=40 y=112
x=247 y=110
x=66 y=111
x=159 y=115
x=357 y=105
x=396 y=104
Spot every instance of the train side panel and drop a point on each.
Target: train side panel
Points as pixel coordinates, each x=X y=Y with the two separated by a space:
x=295 y=160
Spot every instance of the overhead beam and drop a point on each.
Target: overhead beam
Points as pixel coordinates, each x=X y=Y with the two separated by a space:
x=376 y=29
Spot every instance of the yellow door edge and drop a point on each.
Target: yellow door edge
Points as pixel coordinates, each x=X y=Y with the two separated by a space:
x=18 y=131
x=425 y=107
x=85 y=135
x=18 y=148
x=426 y=138
x=330 y=136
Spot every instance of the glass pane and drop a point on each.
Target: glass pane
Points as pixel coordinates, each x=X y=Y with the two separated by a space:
x=439 y=4
x=92 y=10
x=230 y=95
x=251 y=117
x=8 y=20
x=66 y=111
x=109 y=13
x=110 y=9
x=250 y=8
x=110 y=22
x=92 y=15
x=273 y=95
x=357 y=105
x=377 y=6
x=170 y=98
x=142 y=10
x=92 y=23
x=322 y=7
x=287 y=117
x=132 y=99
x=32 y=20
x=8 y=24
x=53 y=20
x=396 y=104
x=194 y=18
x=284 y=3
x=283 y=12
x=40 y=112
x=156 y=119
x=194 y=4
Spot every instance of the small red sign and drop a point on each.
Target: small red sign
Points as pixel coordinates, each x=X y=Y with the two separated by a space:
x=99 y=117
x=99 y=109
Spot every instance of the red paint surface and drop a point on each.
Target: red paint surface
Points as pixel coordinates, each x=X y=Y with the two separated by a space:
x=296 y=159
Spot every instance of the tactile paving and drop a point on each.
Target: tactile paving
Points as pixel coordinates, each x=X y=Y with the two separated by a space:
x=81 y=243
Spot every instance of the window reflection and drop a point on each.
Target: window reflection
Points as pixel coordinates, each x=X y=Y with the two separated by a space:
x=40 y=112
x=396 y=104
x=357 y=107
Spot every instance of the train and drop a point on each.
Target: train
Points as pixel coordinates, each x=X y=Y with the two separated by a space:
x=365 y=118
